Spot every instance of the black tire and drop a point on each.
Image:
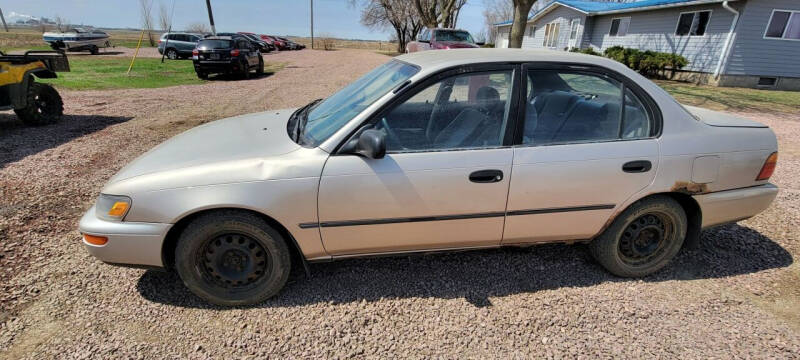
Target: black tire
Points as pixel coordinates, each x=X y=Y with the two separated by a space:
x=94 y=50
x=232 y=258
x=172 y=54
x=44 y=105
x=643 y=238
x=202 y=75
x=260 y=68
x=245 y=70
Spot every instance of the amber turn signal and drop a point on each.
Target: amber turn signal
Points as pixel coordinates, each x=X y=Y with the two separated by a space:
x=95 y=240
x=769 y=167
x=118 y=209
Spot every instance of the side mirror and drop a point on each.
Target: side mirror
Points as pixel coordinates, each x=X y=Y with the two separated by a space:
x=371 y=144
x=480 y=43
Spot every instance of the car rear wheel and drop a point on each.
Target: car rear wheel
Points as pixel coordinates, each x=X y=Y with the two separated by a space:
x=172 y=54
x=643 y=239
x=94 y=50
x=44 y=105
x=245 y=70
x=232 y=258
x=202 y=74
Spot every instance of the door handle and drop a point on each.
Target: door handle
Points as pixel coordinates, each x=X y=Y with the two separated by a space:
x=638 y=166
x=486 y=176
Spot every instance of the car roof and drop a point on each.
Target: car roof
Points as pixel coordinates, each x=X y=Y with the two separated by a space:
x=218 y=38
x=447 y=58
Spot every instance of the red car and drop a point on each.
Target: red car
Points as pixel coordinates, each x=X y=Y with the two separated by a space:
x=277 y=42
x=437 y=39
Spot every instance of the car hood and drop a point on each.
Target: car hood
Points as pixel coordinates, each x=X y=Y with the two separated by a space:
x=232 y=140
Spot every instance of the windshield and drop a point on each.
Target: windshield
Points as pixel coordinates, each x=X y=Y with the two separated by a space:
x=457 y=36
x=214 y=44
x=332 y=113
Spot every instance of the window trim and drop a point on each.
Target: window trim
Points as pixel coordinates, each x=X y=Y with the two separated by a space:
x=695 y=12
x=555 y=24
x=620 y=21
x=415 y=87
x=650 y=105
x=766 y=28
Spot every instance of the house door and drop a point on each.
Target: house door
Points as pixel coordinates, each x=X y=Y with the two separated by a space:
x=574 y=32
x=503 y=43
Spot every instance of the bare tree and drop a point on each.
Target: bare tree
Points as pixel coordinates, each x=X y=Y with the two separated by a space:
x=146 y=7
x=495 y=11
x=521 y=10
x=163 y=17
x=198 y=27
x=399 y=15
x=61 y=23
x=434 y=13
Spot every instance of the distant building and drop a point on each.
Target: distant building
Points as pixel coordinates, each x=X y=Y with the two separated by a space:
x=748 y=43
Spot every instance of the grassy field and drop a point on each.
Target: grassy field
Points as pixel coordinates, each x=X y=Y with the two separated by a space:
x=110 y=73
x=19 y=38
x=733 y=99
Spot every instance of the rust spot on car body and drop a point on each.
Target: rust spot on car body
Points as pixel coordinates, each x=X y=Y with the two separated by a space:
x=689 y=188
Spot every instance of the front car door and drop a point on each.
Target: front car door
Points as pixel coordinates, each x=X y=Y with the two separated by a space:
x=582 y=151
x=444 y=180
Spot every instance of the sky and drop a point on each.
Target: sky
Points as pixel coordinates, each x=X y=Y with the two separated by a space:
x=280 y=17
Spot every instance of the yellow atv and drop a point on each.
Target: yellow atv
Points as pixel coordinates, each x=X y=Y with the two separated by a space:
x=35 y=103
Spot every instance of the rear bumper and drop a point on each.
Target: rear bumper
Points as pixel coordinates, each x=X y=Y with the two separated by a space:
x=129 y=243
x=216 y=66
x=734 y=205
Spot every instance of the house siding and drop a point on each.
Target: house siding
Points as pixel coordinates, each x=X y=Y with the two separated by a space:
x=563 y=16
x=751 y=54
x=655 y=30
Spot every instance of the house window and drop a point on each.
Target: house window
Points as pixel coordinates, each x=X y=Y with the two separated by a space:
x=551 y=35
x=532 y=31
x=783 y=24
x=619 y=26
x=693 y=23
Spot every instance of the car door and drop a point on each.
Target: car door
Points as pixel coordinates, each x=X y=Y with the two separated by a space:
x=444 y=180
x=580 y=154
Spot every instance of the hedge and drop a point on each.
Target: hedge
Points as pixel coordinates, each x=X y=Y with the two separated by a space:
x=648 y=63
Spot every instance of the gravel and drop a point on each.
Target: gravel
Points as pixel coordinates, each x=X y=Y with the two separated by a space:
x=736 y=296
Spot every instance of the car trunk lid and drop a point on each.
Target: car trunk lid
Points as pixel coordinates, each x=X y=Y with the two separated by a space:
x=715 y=118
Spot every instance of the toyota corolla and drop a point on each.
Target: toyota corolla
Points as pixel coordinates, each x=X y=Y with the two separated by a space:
x=436 y=151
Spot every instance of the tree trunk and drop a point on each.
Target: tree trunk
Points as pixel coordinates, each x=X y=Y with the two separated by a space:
x=521 y=10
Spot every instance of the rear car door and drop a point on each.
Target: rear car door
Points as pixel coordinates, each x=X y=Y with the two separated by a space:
x=444 y=180
x=581 y=152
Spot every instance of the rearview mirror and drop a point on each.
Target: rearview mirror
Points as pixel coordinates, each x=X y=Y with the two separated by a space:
x=372 y=144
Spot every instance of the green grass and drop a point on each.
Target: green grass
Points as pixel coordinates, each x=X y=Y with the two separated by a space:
x=733 y=99
x=110 y=73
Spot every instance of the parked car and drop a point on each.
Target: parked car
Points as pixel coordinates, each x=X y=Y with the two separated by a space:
x=178 y=45
x=437 y=151
x=437 y=39
x=279 y=44
x=262 y=45
x=291 y=45
x=223 y=54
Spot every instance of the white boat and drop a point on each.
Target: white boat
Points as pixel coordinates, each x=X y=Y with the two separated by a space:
x=77 y=39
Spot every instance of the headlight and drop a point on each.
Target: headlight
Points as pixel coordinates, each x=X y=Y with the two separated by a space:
x=112 y=207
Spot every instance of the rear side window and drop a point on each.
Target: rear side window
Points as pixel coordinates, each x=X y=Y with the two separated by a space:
x=214 y=44
x=574 y=107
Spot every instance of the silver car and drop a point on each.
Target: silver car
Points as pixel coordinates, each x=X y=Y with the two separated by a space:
x=432 y=151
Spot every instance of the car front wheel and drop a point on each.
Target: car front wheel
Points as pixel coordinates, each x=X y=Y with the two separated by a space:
x=643 y=238
x=232 y=258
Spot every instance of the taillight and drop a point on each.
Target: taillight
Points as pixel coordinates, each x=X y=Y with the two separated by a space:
x=769 y=167
x=159 y=41
x=195 y=52
x=235 y=52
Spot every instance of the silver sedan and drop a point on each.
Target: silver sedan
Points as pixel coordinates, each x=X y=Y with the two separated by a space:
x=432 y=151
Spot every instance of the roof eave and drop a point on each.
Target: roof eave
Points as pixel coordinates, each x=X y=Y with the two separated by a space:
x=655 y=7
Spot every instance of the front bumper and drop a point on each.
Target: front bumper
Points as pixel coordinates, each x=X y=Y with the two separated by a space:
x=733 y=205
x=131 y=243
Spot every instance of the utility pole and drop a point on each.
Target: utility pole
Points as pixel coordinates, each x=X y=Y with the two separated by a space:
x=4 y=20
x=211 y=18
x=312 y=24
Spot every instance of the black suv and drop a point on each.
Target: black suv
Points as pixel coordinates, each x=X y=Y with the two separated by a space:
x=224 y=54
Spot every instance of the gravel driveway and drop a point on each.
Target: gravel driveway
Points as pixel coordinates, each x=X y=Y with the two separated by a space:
x=736 y=296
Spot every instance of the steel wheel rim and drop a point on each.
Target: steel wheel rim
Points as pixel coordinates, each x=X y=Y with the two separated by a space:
x=646 y=238
x=233 y=261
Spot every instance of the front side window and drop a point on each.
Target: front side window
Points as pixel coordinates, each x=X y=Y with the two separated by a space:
x=572 y=107
x=331 y=114
x=784 y=24
x=693 y=23
x=464 y=111
x=619 y=26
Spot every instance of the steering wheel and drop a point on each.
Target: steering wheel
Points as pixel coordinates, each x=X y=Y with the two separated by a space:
x=391 y=134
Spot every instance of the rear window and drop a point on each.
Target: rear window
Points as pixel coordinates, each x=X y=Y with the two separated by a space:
x=214 y=44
